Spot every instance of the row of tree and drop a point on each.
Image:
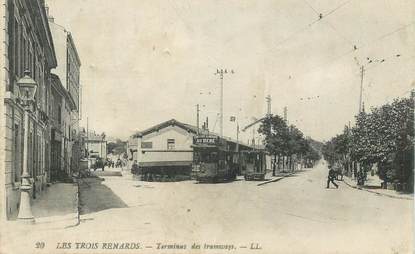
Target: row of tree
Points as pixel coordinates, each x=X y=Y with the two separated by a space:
x=287 y=144
x=117 y=148
x=383 y=137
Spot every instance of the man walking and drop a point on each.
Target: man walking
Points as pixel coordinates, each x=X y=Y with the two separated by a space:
x=331 y=177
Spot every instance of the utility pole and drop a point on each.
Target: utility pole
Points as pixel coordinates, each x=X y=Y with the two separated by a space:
x=286 y=114
x=197 y=118
x=207 y=123
x=221 y=72
x=237 y=137
x=253 y=137
x=87 y=139
x=362 y=73
x=268 y=98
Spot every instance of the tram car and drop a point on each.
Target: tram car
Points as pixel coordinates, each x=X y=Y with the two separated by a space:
x=253 y=163
x=219 y=160
x=215 y=159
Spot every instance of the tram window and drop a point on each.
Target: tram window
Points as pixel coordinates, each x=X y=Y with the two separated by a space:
x=196 y=157
x=250 y=158
x=208 y=157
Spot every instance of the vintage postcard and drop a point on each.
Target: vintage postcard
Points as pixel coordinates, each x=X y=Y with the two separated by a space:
x=214 y=126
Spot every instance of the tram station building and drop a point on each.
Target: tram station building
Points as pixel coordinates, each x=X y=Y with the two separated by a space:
x=168 y=149
x=167 y=144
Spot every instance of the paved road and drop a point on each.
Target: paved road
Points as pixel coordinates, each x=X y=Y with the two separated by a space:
x=294 y=215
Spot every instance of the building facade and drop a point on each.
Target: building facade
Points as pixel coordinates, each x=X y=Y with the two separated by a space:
x=59 y=122
x=168 y=144
x=96 y=145
x=68 y=71
x=26 y=44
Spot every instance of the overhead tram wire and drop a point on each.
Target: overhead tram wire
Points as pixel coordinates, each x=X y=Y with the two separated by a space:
x=366 y=44
x=328 y=23
x=379 y=38
x=309 y=25
x=311 y=7
x=355 y=48
x=340 y=34
x=338 y=7
x=356 y=75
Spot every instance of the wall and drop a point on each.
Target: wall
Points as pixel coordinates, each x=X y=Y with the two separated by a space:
x=73 y=71
x=183 y=142
x=97 y=147
x=60 y=44
x=68 y=70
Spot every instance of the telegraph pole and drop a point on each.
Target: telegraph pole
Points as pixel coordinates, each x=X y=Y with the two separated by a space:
x=87 y=139
x=268 y=98
x=286 y=114
x=221 y=72
x=362 y=73
x=197 y=117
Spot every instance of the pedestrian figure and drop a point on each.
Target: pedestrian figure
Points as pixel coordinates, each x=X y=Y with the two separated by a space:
x=95 y=165
x=134 y=168
x=331 y=177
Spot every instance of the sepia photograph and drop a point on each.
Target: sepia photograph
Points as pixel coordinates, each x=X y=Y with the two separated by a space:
x=207 y=127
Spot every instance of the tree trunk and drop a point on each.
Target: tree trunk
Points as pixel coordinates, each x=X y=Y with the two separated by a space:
x=279 y=161
x=283 y=163
x=274 y=166
x=291 y=163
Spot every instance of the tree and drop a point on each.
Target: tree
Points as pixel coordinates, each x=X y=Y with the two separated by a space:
x=281 y=141
x=295 y=142
x=118 y=147
x=275 y=131
x=384 y=136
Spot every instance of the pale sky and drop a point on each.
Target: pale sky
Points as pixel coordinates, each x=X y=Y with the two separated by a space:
x=147 y=61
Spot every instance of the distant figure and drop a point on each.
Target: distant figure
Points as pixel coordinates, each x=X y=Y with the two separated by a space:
x=134 y=168
x=118 y=164
x=95 y=166
x=331 y=177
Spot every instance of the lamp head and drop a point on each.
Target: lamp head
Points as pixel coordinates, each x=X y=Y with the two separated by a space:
x=27 y=88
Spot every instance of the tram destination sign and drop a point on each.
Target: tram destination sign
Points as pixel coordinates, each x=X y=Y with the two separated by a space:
x=205 y=140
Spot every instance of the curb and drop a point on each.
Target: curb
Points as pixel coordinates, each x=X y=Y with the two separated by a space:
x=375 y=192
x=276 y=179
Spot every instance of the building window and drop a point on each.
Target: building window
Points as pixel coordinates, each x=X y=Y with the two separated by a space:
x=147 y=145
x=170 y=144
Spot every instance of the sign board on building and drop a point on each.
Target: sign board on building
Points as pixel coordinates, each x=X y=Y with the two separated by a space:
x=205 y=140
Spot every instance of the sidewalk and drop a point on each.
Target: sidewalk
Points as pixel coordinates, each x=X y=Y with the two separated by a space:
x=55 y=208
x=280 y=175
x=58 y=205
x=373 y=186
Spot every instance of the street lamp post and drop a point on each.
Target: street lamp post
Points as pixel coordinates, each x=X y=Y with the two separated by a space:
x=27 y=90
